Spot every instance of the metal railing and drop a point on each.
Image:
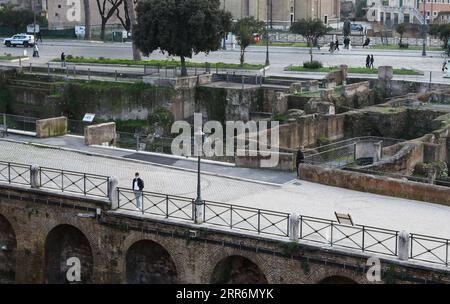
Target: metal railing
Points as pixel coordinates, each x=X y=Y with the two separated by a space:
x=317 y=230
x=429 y=249
x=364 y=238
x=18 y=122
x=219 y=214
x=14 y=173
x=55 y=179
x=74 y=182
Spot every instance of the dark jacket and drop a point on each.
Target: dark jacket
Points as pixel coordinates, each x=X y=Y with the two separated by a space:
x=300 y=157
x=140 y=184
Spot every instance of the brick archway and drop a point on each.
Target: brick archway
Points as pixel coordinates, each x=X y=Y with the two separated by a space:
x=147 y=262
x=237 y=269
x=8 y=246
x=337 y=279
x=63 y=242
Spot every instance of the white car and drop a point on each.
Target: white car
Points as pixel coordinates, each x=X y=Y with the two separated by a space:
x=20 y=39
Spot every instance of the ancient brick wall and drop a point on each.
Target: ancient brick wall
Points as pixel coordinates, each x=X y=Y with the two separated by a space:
x=119 y=248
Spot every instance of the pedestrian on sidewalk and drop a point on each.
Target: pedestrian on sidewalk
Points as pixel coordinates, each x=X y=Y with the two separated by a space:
x=138 y=186
x=336 y=45
x=63 y=60
x=39 y=36
x=444 y=65
x=331 y=49
x=35 y=50
x=299 y=159
x=371 y=61
x=368 y=61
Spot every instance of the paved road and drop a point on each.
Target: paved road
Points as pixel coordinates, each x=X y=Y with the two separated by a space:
x=280 y=57
x=298 y=196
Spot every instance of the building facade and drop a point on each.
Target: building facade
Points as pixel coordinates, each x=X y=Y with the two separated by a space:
x=282 y=13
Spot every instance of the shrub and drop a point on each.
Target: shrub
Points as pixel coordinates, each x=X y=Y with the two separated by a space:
x=69 y=57
x=403 y=45
x=312 y=65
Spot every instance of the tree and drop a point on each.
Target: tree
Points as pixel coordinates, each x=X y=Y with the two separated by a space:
x=18 y=19
x=87 y=20
x=107 y=8
x=310 y=29
x=442 y=31
x=401 y=30
x=128 y=19
x=180 y=27
x=244 y=31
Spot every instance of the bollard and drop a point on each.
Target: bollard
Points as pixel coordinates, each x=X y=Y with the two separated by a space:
x=34 y=176
x=294 y=227
x=89 y=74
x=115 y=75
x=20 y=61
x=113 y=193
x=145 y=69
x=403 y=245
x=243 y=80
x=30 y=68
x=48 y=69
x=74 y=71
x=199 y=208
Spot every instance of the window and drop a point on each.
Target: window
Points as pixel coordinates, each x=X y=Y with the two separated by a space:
x=59 y=5
x=292 y=9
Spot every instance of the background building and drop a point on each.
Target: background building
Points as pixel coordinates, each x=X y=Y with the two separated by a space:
x=281 y=13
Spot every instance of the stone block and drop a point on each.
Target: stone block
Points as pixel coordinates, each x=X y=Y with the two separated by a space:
x=49 y=127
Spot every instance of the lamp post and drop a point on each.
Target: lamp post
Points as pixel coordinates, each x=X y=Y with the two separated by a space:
x=199 y=203
x=267 y=34
x=424 y=33
x=226 y=34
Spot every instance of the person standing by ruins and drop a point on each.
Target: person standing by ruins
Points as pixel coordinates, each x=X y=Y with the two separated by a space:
x=63 y=60
x=138 y=186
x=368 y=61
x=300 y=159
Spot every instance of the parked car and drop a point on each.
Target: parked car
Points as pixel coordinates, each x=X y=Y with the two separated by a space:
x=356 y=27
x=20 y=39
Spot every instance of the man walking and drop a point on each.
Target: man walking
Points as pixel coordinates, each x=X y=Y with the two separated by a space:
x=371 y=61
x=63 y=60
x=368 y=61
x=138 y=186
x=336 y=45
x=300 y=159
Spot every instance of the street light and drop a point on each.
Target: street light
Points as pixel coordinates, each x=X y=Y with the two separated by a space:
x=424 y=33
x=199 y=135
x=267 y=33
x=226 y=34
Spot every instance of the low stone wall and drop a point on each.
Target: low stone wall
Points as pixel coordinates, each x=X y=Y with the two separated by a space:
x=99 y=134
x=376 y=184
x=49 y=127
x=309 y=128
x=285 y=161
x=179 y=82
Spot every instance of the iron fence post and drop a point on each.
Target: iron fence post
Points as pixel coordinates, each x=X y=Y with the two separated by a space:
x=167 y=206
x=259 y=221
x=331 y=234
x=446 y=253
x=84 y=182
x=363 y=235
x=9 y=173
x=62 y=180
x=301 y=226
x=412 y=243
x=231 y=216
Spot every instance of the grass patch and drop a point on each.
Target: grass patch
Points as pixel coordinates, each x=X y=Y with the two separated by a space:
x=162 y=63
x=411 y=47
x=353 y=70
x=271 y=43
x=10 y=57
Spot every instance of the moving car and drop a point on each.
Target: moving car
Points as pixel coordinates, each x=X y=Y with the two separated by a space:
x=20 y=39
x=357 y=27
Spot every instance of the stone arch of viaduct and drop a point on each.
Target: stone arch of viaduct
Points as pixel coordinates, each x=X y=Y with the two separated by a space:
x=114 y=248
